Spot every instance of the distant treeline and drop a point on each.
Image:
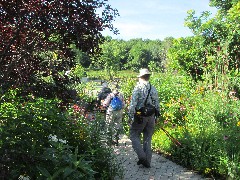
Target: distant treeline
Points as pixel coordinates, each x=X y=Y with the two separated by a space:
x=128 y=55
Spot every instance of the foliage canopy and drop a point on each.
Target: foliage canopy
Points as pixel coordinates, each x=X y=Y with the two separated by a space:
x=36 y=35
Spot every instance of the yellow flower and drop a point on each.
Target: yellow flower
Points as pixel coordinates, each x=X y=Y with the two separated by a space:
x=138 y=113
x=207 y=171
x=81 y=134
x=55 y=55
x=238 y=124
x=168 y=105
x=181 y=98
x=185 y=118
x=173 y=100
x=164 y=114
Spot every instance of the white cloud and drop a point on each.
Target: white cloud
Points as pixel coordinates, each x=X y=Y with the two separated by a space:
x=154 y=19
x=136 y=30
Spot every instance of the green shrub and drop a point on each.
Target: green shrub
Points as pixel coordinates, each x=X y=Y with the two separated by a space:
x=206 y=122
x=27 y=126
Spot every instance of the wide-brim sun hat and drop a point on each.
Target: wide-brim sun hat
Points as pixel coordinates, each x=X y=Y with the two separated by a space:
x=143 y=72
x=105 y=84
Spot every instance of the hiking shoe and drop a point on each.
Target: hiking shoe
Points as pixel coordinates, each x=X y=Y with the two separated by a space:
x=140 y=161
x=146 y=164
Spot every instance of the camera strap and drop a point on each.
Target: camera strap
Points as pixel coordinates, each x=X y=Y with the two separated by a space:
x=145 y=103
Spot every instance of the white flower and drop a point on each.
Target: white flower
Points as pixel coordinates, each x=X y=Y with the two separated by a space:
x=62 y=141
x=53 y=138
x=21 y=177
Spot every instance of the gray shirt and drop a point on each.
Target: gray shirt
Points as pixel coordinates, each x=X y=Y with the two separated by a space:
x=140 y=94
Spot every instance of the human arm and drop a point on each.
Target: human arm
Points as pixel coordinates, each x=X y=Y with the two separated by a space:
x=156 y=103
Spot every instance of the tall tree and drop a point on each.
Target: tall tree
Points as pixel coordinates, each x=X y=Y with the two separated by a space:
x=139 y=55
x=113 y=51
x=223 y=5
x=214 y=48
x=36 y=35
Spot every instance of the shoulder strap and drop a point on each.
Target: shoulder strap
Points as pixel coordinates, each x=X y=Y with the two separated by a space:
x=147 y=95
x=114 y=95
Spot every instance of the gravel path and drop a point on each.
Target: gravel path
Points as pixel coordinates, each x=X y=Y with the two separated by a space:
x=161 y=168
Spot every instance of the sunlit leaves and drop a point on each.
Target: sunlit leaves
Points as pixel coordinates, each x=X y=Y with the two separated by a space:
x=215 y=45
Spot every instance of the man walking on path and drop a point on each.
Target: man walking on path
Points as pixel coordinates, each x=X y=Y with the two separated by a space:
x=114 y=117
x=144 y=95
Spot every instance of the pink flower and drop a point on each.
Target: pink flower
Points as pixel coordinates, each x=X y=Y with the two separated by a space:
x=76 y=108
x=225 y=137
x=182 y=108
x=165 y=121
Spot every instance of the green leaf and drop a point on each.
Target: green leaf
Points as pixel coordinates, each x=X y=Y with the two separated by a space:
x=56 y=174
x=44 y=171
x=67 y=172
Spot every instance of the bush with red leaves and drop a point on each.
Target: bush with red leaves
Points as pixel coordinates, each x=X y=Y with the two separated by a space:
x=30 y=28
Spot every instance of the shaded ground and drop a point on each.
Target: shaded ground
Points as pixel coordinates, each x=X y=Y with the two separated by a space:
x=161 y=168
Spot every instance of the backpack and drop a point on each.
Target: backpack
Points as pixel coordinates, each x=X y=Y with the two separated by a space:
x=116 y=103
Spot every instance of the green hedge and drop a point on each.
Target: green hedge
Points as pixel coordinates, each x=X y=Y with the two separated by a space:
x=205 y=122
x=40 y=141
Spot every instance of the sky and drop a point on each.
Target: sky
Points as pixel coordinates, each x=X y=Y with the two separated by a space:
x=154 y=19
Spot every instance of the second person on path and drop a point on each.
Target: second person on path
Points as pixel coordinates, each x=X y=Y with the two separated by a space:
x=114 y=116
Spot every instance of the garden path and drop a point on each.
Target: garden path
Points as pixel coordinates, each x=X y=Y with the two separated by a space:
x=161 y=168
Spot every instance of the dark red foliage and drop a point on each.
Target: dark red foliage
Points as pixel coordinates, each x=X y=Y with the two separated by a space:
x=31 y=27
